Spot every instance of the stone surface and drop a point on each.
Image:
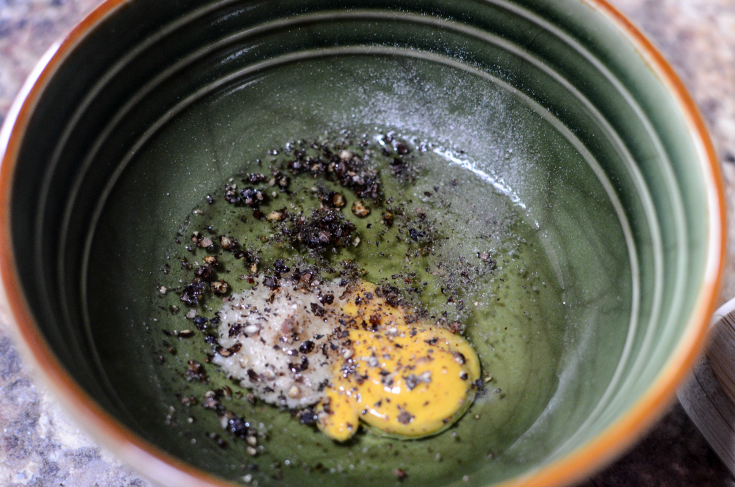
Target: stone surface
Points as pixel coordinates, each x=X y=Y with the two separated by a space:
x=41 y=446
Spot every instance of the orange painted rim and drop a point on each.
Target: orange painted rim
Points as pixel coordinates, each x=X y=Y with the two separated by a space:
x=161 y=467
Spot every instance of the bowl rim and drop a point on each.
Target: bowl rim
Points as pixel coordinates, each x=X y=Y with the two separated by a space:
x=159 y=466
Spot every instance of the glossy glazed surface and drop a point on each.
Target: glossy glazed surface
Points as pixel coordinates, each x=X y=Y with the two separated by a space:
x=643 y=339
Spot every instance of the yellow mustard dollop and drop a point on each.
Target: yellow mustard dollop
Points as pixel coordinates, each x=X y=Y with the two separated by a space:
x=401 y=379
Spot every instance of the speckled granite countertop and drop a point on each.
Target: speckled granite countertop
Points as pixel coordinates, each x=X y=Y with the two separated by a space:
x=41 y=446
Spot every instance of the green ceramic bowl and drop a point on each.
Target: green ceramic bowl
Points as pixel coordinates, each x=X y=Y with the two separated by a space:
x=558 y=107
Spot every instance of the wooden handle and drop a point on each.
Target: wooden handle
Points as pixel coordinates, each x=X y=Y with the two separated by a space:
x=708 y=396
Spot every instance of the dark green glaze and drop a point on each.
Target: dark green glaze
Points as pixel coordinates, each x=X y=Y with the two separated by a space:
x=518 y=330
x=563 y=122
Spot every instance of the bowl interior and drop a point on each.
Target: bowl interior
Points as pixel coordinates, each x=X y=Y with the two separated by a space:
x=543 y=116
